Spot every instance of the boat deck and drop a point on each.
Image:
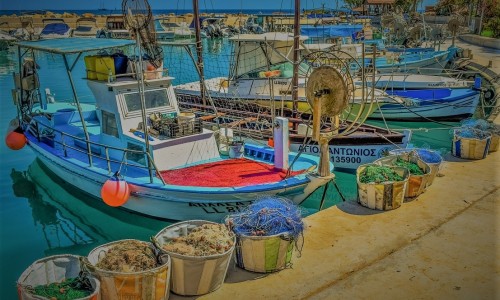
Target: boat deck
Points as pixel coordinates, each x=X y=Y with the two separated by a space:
x=227 y=173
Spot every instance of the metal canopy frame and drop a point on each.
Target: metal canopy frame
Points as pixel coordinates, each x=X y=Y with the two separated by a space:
x=67 y=46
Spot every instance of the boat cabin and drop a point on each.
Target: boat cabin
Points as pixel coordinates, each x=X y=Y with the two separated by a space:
x=171 y=133
x=117 y=121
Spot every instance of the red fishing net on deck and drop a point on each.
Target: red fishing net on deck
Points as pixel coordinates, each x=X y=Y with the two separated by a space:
x=226 y=173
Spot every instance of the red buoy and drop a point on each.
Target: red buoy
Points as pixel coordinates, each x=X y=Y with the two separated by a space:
x=15 y=140
x=115 y=191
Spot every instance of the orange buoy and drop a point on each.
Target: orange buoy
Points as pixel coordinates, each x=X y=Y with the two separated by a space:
x=270 y=142
x=15 y=140
x=115 y=191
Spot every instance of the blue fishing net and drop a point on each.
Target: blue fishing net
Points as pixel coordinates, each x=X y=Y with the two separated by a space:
x=479 y=124
x=477 y=129
x=472 y=133
x=268 y=216
x=429 y=156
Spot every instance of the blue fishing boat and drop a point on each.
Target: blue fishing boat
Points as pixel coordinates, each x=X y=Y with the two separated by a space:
x=425 y=62
x=415 y=82
x=164 y=162
x=430 y=104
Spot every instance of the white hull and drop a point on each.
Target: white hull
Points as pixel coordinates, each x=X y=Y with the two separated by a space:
x=173 y=203
x=434 y=65
x=55 y=36
x=415 y=81
x=350 y=157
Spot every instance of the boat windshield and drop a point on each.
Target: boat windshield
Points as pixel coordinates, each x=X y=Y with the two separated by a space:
x=154 y=99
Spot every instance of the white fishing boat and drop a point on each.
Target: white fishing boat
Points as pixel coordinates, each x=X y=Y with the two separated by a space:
x=114 y=28
x=261 y=72
x=174 y=169
x=415 y=81
x=260 y=85
x=54 y=28
x=174 y=27
x=85 y=27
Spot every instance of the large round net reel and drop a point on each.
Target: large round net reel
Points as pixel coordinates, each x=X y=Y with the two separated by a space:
x=329 y=77
x=330 y=92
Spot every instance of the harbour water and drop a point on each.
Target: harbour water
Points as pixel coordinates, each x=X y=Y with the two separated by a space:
x=41 y=215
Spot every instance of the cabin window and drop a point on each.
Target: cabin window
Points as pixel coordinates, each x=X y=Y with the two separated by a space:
x=109 y=126
x=153 y=100
x=137 y=157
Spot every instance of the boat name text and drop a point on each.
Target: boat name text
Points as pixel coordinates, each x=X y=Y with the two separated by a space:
x=340 y=151
x=221 y=207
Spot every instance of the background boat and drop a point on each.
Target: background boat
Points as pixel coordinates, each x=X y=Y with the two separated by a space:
x=434 y=104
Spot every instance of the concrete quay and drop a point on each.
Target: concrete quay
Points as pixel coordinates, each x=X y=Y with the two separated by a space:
x=445 y=244
x=442 y=245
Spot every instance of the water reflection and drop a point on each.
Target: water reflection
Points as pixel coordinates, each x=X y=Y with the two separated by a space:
x=7 y=61
x=71 y=221
x=214 y=46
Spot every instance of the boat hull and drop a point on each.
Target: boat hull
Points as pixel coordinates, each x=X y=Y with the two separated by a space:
x=348 y=157
x=183 y=203
x=454 y=110
x=428 y=66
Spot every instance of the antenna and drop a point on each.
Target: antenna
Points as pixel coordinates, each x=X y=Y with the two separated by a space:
x=138 y=18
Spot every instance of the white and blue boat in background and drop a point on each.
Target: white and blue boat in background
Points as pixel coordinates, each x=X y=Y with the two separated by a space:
x=54 y=28
x=402 y=81
x=426 y=62
x=430 y=104
x=85 y=144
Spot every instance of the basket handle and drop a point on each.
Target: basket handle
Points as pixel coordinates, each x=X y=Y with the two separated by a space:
x=161 y=256
x=85 y=264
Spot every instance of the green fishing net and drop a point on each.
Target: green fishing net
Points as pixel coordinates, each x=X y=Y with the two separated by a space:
x=411 y=166
x=378 y=174
x=68 y=289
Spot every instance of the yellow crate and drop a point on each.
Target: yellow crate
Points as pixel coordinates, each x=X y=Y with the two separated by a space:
x=105 y=67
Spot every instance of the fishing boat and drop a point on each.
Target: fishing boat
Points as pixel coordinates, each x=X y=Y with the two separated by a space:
x=174 y=27
x=263 y=75
x=430 y=104
x=85 y=27
x=114 y=28
x=68 y=217
x=6 y=40
x=54 y=28
x=246 y=100
x=135 y=132
x=403 y=81
x=426 y=62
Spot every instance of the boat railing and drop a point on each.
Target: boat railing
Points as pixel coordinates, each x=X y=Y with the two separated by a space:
x=48 y=136
x=110 y=77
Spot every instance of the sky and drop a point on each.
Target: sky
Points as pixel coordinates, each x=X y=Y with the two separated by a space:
x=166 y=4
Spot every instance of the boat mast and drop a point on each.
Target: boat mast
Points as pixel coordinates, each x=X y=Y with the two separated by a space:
x=199 y=49
x=295 y=78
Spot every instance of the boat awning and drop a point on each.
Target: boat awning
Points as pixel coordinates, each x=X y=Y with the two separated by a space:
x=74 y=45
